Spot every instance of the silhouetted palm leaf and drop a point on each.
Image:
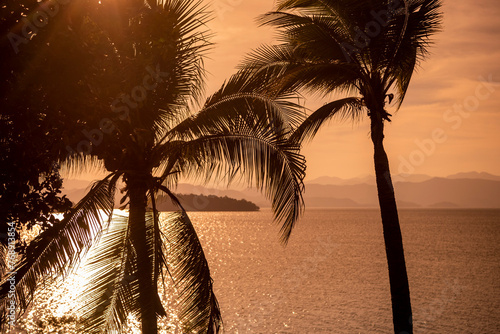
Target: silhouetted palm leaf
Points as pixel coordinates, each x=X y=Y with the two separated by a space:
x=3 y=257
x=199 y=310
x=111 y=291
x=242 y=96
x=59 y=248
x=348 y=108
x=242 y=130
x=272 y=164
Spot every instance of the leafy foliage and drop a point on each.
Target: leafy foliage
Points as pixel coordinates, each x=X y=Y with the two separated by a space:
x=29 y=192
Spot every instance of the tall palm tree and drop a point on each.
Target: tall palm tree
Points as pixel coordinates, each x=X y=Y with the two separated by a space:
x=366 y=50
x=239 y=132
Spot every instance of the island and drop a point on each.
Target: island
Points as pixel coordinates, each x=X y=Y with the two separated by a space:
x=193 y=202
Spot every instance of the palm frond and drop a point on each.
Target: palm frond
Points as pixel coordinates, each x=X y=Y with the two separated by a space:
x=156 y=249
x=172 y=197
x=160 y=260
x=109 y=294
x=187 y=74
x=160 y=48
x=199 y=309
x=424 y=20
x=305 y=32
x=340 y=8
x=349 y=14
x=61 y=247
x=3 y=257
x=314 y=6
x=347 y=108
x=329 y=30
x=112 y=294
x=146 y=247
x=266 y=159
x=243 y=96
x=78 y=163
x=291 y=69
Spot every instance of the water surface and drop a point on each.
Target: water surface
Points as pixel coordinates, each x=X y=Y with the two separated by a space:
x=332 y=277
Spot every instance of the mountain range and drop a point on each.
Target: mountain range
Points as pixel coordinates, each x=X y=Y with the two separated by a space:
x=370 y=179
x=462 y=190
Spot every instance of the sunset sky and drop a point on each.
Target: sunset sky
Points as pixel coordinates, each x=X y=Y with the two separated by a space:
x=449 y=122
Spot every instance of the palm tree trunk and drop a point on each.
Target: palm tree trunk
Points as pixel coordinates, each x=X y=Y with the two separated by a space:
x=398 y=278
x=147 y=290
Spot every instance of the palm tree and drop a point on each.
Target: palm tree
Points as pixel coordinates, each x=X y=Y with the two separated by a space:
x=239 y=132
x=368 y=51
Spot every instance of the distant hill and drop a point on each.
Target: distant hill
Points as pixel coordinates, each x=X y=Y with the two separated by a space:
x=192 y=202
x=465 y=193
x=369 y=179
x=204 y=199
x=407 y=205
x=331 y=202
x=337 y=180
x=363 y=195
x=332 y=180
x=475 y=175
x=436 y=192
x=463 y=190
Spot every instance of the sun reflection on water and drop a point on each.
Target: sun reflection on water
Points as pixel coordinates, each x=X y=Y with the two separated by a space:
x=55 y=306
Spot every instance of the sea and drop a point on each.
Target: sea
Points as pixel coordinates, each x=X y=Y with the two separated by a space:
x=332 y=276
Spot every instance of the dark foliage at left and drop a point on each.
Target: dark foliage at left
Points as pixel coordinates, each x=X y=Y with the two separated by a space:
x=30 y=135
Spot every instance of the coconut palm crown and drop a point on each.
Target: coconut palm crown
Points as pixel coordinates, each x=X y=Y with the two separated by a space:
x=153 y=52
x=367 y=52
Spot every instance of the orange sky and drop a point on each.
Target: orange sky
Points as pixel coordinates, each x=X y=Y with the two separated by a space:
x=448 y=111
